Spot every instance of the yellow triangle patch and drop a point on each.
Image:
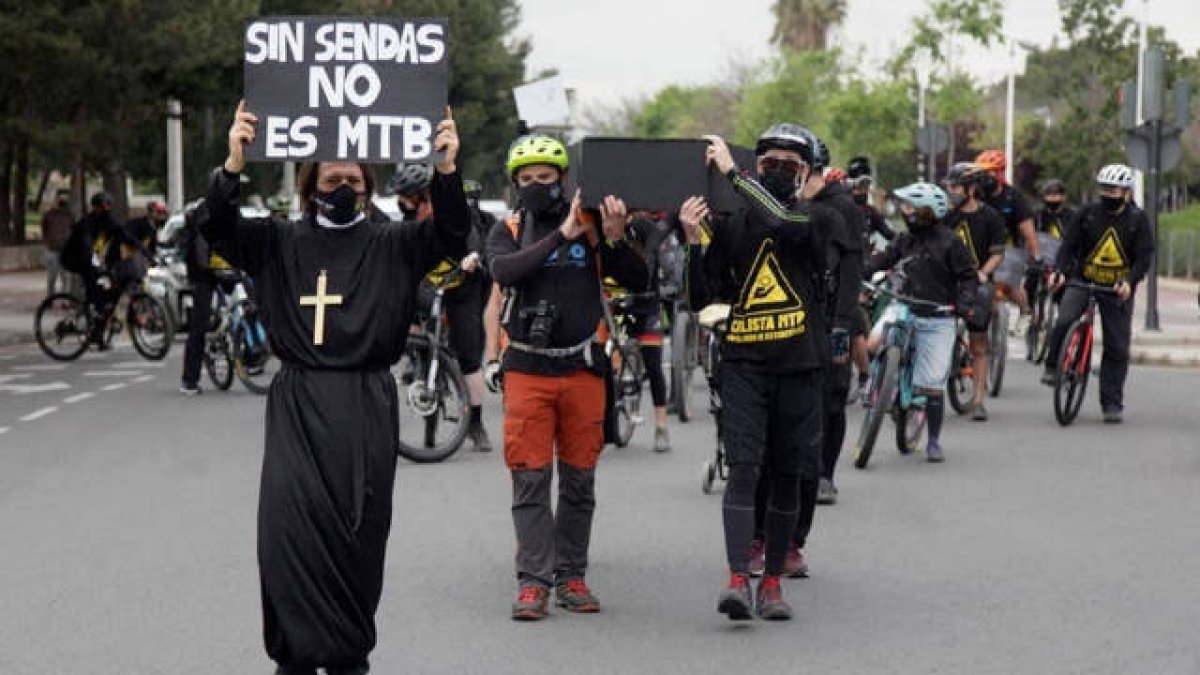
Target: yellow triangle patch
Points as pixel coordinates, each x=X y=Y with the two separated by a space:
x=963 y=230
x=766 y=288
x=1108 y=252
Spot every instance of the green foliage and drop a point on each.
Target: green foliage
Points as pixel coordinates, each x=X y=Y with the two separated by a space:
x=876 y=121
x=803 y=25
x=679 y=112
x=1186 y=219
x=795 y=91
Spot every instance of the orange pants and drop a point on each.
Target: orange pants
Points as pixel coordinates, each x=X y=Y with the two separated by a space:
x=544 y=414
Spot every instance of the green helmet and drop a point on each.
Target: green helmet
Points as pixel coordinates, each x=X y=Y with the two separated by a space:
x=530 y=150
x=472 y=189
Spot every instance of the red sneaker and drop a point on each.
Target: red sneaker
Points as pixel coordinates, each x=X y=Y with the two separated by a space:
x=531 y=603
x=796 y=566
x=771 y=605
x=735 y=600
x=574 y=595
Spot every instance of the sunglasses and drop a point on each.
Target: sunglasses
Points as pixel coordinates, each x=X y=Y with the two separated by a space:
x=772 y=164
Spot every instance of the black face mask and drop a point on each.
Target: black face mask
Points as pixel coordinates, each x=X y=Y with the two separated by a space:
x=781 y=184
x=860 y=199
x=1112 y=204
x=541 y=199
x=988 y=185
x=1054 y=207
x=340 y=206
x=916 y=223
x=957 y=199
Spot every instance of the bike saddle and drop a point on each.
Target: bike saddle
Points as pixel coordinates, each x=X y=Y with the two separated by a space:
x=712 y=315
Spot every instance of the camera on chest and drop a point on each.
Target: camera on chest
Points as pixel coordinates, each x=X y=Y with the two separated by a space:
x=539 y=321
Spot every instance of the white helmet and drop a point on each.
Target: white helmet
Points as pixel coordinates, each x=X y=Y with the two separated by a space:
x=1115 y=175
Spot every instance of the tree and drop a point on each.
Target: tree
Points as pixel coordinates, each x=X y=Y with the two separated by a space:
x=874 y=119
x=803 y=25
x=795 y=90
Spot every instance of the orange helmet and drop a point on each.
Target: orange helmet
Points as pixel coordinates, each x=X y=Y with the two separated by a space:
x=992 y=160
x=835 y=175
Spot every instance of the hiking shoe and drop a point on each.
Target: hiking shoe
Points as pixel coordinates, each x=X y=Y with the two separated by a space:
x=852 y=395
x=661 y=442
x=735 y=600
x=933 y=453
x=979 y=414
x=1049 y=378
x=531 y=604
x=189 y=389
x=573 y=595
x=1112 y=415
x=758 y=557
x=480 y=440
x=771 y=605
x=796 y=565
x=826 y=492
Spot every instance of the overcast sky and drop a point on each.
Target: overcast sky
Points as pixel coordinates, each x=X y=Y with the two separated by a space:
x=613 y=49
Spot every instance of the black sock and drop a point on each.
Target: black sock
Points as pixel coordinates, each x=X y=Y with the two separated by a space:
x=935 y=409
x=862 y=378
x=476 y=416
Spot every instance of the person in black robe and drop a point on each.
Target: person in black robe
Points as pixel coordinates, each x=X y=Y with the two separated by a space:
x=337 y=290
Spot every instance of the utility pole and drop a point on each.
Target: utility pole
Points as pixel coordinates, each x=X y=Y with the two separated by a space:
x=174 y=155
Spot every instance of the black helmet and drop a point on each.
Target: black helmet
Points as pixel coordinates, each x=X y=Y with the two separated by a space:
x=411 y=179
x=821 y=158
x=964 y=173
x=785 y=136
x=1054 y=186
x=101 y=199
x=858 y=167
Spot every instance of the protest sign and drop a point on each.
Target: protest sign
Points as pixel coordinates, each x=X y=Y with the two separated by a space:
x=654 y=174
x=543 y=103
x=364 y=89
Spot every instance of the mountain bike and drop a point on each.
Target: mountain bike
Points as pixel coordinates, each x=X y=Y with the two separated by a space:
x=436 y=410
x=628 y=366
x=1045 y=313
x=1075 y=358
x=890 y=388
x=960 y=386
x=686 y=347
x=65 y=325
x=998 y=342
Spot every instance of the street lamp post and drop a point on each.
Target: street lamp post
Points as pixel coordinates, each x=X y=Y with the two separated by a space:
x=1008 y=111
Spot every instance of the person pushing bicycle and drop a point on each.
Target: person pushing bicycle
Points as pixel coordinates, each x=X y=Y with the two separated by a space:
x=1110 y=244
x=938 y=269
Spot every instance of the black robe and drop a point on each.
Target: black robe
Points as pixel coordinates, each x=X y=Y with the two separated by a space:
x=325 y=503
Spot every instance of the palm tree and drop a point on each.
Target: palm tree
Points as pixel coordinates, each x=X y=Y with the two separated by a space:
x=803 y=25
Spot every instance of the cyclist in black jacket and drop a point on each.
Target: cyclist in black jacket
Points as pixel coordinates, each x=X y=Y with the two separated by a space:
x=1110 y=244
x=937 y=269
x=765 y=260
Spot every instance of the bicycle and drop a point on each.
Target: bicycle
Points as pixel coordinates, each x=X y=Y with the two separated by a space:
x=64 y=324
x=629 y=368
x=238 y=345
x=1045 y=313
x=714 y=321
x=436 y=391
x=1075 y=358
x=998 y=342
x=890 y=388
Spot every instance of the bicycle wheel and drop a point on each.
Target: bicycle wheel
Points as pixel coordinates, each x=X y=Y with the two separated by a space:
x=629 y=380
x=1037 y=328
x=1044 y=345
x=150 y=326
x=910 y=429
x=683 y=363
x=61 y=327
x=433 y=422
x=960 y=387
x=217 y=362
x=998 y=348
x=253 y=360
x=880 y=398
x=1073 y=371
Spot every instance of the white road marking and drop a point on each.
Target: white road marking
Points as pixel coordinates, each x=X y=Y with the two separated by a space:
x=38 y=414
x=8 y=357
x=144 y=378
x=42 y=367
x=112 y=373
x=22 y=389
x=79 y=397
x=139 y=364
x=9 y=378
x=3 y=430
x=114 y=387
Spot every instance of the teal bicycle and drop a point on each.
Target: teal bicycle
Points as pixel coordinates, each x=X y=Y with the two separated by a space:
x=890 y=388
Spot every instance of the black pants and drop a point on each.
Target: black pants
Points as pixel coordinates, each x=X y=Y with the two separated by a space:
x=1117 y=322
x=464 y=310
x=198 y=325
x=772 y=426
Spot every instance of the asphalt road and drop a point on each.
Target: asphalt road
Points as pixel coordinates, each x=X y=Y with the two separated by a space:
x=127 y=545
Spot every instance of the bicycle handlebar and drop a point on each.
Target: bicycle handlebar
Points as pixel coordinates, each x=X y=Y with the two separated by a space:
x=1093 y=288
x=908 y=300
